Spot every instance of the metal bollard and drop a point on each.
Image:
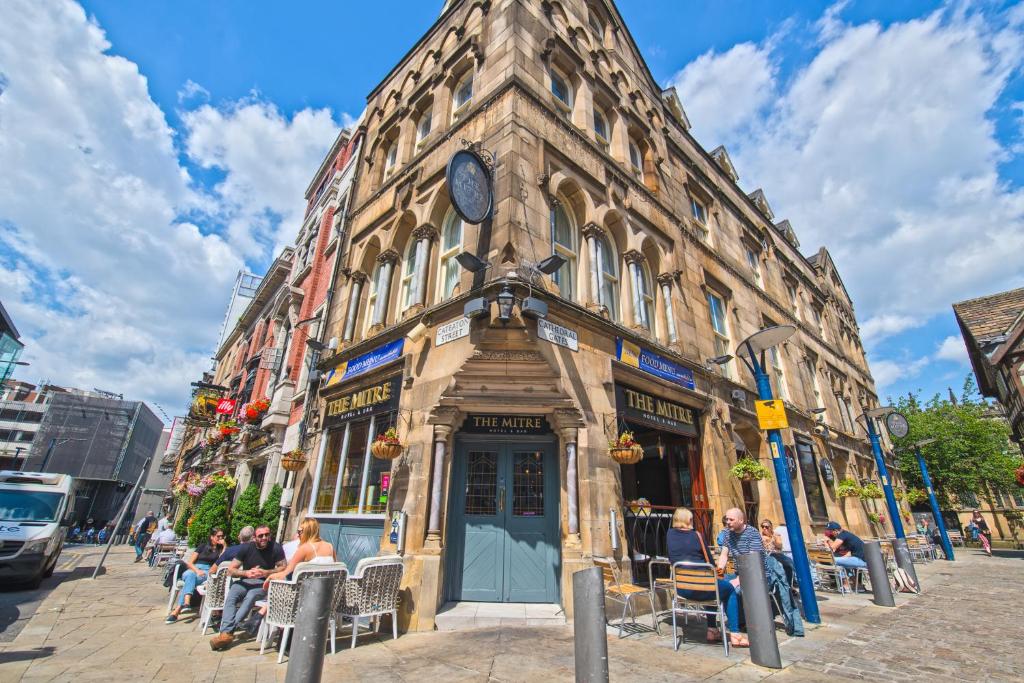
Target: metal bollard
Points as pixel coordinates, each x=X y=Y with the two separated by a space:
x=757 y=606
x=880 y=587
x=309 y=641
x=903 y=559
x=589 y=625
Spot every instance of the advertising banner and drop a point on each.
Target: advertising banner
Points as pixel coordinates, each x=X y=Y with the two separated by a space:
x=382 y=355
x=642 y=359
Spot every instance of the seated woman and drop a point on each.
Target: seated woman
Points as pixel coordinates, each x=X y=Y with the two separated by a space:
x=311 y=548
x=198 y=570
x=685 y=544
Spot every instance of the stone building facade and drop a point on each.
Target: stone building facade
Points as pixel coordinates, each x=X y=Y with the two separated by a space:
x=506 y=483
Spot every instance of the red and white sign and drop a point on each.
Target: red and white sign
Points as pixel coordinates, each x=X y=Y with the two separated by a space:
x=226 y=406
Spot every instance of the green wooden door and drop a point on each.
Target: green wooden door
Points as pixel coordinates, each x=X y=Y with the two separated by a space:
x=503 y=533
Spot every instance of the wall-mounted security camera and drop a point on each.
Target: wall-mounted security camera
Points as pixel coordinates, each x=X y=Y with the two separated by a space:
x=534 y=308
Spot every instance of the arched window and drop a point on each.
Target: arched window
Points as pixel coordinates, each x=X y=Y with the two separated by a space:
x=451 y=245
x=390 y=158
x=371 y=296
x=607 y=261
x=563 y=243
x=409 y=269
x=601 y=129
x=423 y=126
x=644 y=298
x=636 y=159
x=462 y=94
x=561 y=88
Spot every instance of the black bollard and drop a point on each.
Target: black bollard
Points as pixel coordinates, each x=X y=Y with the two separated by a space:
x=880 y=587
x=903 y=559
x=757 y=606
x=590 y=626
x=309 y=641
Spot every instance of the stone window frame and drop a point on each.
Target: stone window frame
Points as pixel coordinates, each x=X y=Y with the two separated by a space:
x=459 y=109
x=571 y=253
x=446 y=256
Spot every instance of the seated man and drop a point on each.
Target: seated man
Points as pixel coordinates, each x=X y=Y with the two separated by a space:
x=741 y=539
x=255 y=562
x=164 y=537
x=232 y=551
x=840 y=540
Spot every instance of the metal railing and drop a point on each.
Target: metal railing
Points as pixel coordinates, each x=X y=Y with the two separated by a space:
x=647 y=528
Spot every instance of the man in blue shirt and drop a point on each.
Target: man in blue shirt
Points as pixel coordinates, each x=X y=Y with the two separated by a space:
x=842 y=541
x=231 y=552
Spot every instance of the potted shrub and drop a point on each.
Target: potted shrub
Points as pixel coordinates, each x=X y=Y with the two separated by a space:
x=748 y=469
x=293 y=460
x=871 y=490
x=915 y=496
x=874 y=518
x=847 y=488
x=625 y=450
x=387 y=446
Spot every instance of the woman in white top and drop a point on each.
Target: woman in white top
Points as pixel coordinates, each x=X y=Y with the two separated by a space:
x=311 y=548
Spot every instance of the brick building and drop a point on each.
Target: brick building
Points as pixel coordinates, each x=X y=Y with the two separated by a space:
x=506 y=481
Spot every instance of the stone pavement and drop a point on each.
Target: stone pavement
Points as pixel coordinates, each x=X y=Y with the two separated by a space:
x=965 y=627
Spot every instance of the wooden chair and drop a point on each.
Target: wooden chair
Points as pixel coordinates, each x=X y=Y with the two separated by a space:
x=697 y=576
x=824 y=564
x=619 y=591
x=956 y=538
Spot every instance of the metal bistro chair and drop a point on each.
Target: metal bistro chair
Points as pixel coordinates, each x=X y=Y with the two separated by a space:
x=618 y=591
x=661 y=583
x=162 y=553
x=214 y=592
x=824 y=563
x=283 y=602
x=372 y=591
x=697 y=576
x=919 y=549
x=956 y=538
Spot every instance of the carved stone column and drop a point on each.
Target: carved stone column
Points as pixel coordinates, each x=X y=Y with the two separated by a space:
x=387 y=268
x=358 y=280
x=634 y=259
x=592 y=234
x=665 y=281
x=571 y=479
x=423 y=235
x=441 y=434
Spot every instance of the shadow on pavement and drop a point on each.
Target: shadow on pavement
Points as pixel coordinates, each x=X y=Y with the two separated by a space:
x=22 y=655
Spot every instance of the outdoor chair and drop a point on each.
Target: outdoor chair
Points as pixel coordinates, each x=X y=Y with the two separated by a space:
x=214 y=592
x=162 y=553
x=919 y=549
x=956 y=538
x=625 y=593
x=283 y=602
x=825 y=567
x=697 y=576
x=372 y=591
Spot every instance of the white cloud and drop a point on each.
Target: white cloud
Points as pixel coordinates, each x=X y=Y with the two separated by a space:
x=108 y=283
x=192 y=90
x=952 y=349
x=724 y=93
x=881 y=147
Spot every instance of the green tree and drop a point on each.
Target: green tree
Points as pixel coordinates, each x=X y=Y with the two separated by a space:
x=270 y=513
x=181 y=525
x=246 y=511
x=971 y=453
x=212 y=512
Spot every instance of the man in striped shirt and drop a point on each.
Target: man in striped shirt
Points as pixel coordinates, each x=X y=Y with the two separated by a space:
x=740 y=540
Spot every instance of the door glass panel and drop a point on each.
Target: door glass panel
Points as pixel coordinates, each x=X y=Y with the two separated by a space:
x=528 y=484
x=482 y=483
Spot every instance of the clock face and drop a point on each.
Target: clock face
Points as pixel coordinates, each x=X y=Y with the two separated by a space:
x=897 y=424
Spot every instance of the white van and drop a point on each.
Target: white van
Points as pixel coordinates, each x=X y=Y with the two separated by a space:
x=35 y=511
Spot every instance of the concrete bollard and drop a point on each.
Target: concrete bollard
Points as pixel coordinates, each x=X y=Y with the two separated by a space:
x=903 y=559
x=757 y=606
x=309 y=641
x=880 y=587
x=589 y=626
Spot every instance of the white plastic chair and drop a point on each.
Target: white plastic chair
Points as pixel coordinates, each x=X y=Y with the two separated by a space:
x=214 y=592
x=283 y=602
x=372 y=591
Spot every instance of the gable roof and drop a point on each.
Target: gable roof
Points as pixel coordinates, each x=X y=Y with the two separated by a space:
x=990 y=318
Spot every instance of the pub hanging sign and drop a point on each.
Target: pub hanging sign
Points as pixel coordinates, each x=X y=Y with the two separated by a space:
x=506 y=424
x=363 y=401
x=639 y=406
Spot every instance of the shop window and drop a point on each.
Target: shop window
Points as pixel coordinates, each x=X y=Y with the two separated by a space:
x=608 y=261
x=717 y=312
x=451 y=246
x=807 y=461
x=563 y=242
x=362 y=486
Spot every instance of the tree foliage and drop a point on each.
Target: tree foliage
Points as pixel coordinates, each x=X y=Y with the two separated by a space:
x=270 y=513
x=246 y=511
x=212 y=512
x=971 y=452
x=181 y=525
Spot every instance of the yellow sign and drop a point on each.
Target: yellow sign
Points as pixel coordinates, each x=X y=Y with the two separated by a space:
x=771 y=414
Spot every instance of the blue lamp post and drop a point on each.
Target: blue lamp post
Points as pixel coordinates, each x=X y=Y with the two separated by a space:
x=752 y=353
x=947 y=547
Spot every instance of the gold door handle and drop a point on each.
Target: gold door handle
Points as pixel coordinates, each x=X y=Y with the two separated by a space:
x=501 y=499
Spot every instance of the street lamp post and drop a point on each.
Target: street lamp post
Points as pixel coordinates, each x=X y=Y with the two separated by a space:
x=947 y=547
x=751 y=351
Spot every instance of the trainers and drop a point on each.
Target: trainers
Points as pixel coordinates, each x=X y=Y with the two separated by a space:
x=171 y=618
x=221 y=641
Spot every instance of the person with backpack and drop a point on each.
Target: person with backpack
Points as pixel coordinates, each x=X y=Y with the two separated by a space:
x=984 y=533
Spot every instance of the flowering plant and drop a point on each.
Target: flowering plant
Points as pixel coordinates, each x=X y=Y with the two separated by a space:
x=871 y=490
x=625 y=440
x=183 y=481
x=220 y=478
x=875 y=518
x=254 y=410
x=389 y=436
x=229 y=428
x=915 y=496
x=847 y=488
x=748 y=468
x=215 y=438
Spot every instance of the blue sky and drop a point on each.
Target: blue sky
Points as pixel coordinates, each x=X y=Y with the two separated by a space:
x=158 y=147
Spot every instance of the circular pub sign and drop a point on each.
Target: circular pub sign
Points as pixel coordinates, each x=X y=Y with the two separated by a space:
x=469 y=186
x=897 y=424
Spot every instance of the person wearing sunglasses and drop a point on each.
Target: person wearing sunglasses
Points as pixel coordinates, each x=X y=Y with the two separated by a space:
x=254 y=564
x=198 y=569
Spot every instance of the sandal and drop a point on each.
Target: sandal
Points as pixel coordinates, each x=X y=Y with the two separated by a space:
x=738 y=640
x=714 y=635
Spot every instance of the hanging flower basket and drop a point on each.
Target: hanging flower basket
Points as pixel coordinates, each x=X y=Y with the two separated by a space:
x=228 y=429
x=253 y=411
x=214 y=437
x=847 y=488
x=294 y=460
x=871 y=490
x=915 y=496
x=625 y=450
x=387 y=446
x=748 y=469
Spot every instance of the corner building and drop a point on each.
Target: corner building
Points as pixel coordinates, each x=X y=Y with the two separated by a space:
x=506 y=480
